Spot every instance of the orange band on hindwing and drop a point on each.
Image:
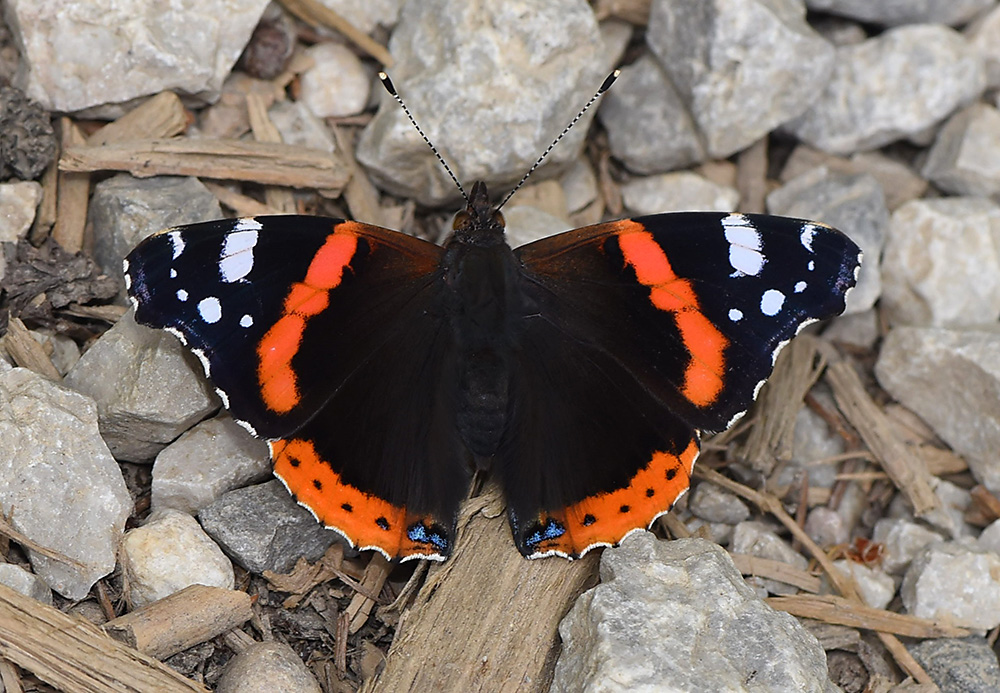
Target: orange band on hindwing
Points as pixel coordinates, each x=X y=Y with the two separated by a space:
x=705 y=344
x=278 y=380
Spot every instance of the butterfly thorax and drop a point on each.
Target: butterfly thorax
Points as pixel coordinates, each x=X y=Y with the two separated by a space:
x=483 y=303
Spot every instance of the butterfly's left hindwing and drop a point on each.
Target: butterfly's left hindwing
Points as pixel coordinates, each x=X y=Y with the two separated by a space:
x=307 y=326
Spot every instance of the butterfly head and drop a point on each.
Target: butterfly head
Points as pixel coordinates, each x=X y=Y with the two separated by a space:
x=479 y=223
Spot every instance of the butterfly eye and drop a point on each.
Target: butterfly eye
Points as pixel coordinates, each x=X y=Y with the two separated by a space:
x=461 y=219
x=498 y=218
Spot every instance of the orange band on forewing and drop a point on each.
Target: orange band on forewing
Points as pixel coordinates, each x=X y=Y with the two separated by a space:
x=607 y=517
x=368 y=521
x=277 y=378
x=706 y=345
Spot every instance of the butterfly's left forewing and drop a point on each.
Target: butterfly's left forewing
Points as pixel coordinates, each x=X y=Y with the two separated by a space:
x=678 y=319
x=323 y=336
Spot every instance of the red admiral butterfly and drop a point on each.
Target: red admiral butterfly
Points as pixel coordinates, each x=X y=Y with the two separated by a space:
x=385 y=370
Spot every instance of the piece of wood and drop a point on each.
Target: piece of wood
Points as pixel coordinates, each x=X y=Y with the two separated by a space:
x=186 y=618
x=833 y=609
x=265 y=131
x=162 y=115
x=316 y=13
x=73 y=195
x=751 y=177
x=776 y=570
x=26 y=351
x=486 y=619
x=260 y=162
x=45 y=215
x=243 y=205
x=907 y=471
x=364 y=599
x=74 y=655
x=361 y=195
x=798 y=367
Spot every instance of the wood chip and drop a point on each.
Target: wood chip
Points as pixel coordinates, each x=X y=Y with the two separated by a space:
x=906 y=470
x=498 y=636
x=832 y=609
x=243 y=205
x=632 y=11
x=265 y=131
x=364 y=599
x=73 y=197
x=260 y=162
x=316 y=13
x=162 y=115
x=797 y=369
x=26 y=351
x=361 y=195
x=45 y=215
x=776 y=570
x=186 y=618
x=74 y=655
x=751 y=177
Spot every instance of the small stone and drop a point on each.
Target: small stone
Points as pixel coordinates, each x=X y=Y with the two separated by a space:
x=579 y=185
x=854 y=204
x=228 y=117
x=814 y=441
x=826 y=527
x=271 y=45
x=892 y=86
x=167 y=554
x=859 y=330
x=337 y=84
x=874 y=586
x=58 y=483
x=959 y=665
x=18 y=202
x=526 y=224
x=956 y=584
x=263 y=528
x=123 y=49
x=964 y=158
x=713 y=504
x=28 y=584
x=524 y=74
x=27 y=140
x=366 y=15
x=954 y=501
x=989 y=540
x=756 y=539
x=677 y=616
x=124 y=210
x=984 y=37
x=677 y=192
x=941 y=265
x=902 y=540
x=265 y=667
x=742 y=66
x=146 y=391
x=897 y=12
x=649 y=129
x=216 y=456
x=951 y=379
x=297 y=125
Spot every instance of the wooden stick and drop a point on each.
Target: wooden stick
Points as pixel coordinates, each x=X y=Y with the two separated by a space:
x=260 y=162
x=497 y=636
x=265 y=131
x=832 y=609
x=27 y=352
x=362 y=602
x=776 y=570
x=906 y=470
x=74 y=195
x=316 y=13
x=186 y=618
x=162 y=115
x=74 y=655
x=243 y=205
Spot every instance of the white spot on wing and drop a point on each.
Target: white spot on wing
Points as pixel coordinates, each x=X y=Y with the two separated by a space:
x=811 y=265
x=236 y=259
x=210 y=309
x=800 y=287
x=248 y=224
x=806 y=236
x=735 y=314
x=744 y=245
x=176 y=242
x=182 y=295
x=771 y=302
x=128 y=280
x=246 y=321
x=173 y=273
x=204 y=361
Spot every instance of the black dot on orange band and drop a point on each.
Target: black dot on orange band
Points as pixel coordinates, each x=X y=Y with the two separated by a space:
x=294 y=462
x=588 y=520
x=650 y=493
x=382 y=523
x=624 y=509
x=671 y=473
x=347 y=507
x=318 y=484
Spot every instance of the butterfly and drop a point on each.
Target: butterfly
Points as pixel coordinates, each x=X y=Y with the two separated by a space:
x=385 y=371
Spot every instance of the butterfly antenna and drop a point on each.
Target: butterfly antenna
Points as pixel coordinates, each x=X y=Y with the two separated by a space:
x=387 y=83
x=608 y=81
